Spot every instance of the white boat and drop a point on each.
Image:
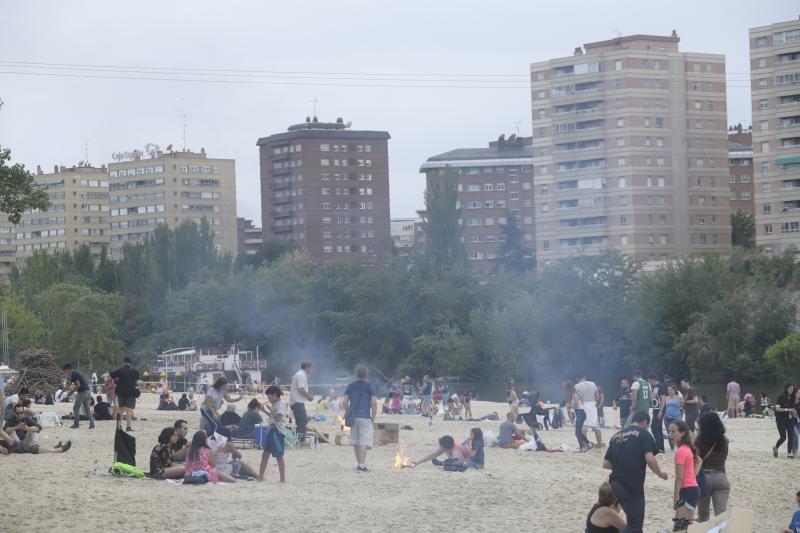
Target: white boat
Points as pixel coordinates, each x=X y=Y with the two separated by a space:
x=195 y=367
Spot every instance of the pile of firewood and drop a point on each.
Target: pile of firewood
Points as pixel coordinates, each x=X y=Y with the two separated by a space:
x=38 y=372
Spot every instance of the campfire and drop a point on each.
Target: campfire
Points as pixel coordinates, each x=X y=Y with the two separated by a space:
x=340 y=421
x=400 y=460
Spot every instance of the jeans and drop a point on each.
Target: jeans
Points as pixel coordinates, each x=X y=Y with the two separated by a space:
x=633 y=505
x=719 y=489
x=657 y=429
x=796 y=429
x=213 y=425
x=667 y=422
x=82 y=400
x=785 y=431
x=300 y=418
x=580 y=418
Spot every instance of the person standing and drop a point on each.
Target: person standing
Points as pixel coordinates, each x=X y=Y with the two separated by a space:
x=671 y=409
x=589 y=396
x=209 y=411
x=691 y=403
x=126 y=378
x=732 y=392
x=274 y=445
x=784 y=409
x=622 y=401
x=361 y=398
x=83 y=395
x=712 y=448
x=630 y=452
x=407 y=387
x=426 y=391
x=298 y=394
x=94 y=382
x=574 y=400
x=686 y=493
x=657 y=403
x=640 y=395
x=2 y=395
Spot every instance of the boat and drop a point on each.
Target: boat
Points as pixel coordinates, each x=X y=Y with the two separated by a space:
x=190 y=368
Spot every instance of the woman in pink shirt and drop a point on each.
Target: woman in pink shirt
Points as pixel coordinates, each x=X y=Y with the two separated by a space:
x=687 y=492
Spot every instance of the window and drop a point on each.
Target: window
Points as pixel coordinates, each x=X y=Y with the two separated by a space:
x=762 y=84
x=620 y=161
x=325 y=162
x=744 y=178
x=618 y=64
x=659 y=122
x=514 y=178
x=500 y=187
x=545 y=244
x=324 y=147
x=513 y=195
x=646 y=122
x=545 y=208
x=623 y=220
x=623 y=201
x=763 y=105
x=762 y=63
x=766 y=209
x=765 y=168
x=698 y=105
x=623 y=240
x=488 y=186
x=659 y=140
x=745 y=195
x=767 y=229
x=764 y=125
x=620 y=142
x=619 y=103
x=620 y=122
x=733 y=196
x=619 y=84
x=765 y=147
x=622 y=183
x=545 y=189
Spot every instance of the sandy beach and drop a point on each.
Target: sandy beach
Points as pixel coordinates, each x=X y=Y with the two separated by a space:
x=518 y=490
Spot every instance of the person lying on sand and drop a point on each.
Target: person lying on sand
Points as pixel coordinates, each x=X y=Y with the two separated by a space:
x=447 y=447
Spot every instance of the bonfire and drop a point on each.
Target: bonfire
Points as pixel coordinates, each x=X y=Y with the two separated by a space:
x=400 y=459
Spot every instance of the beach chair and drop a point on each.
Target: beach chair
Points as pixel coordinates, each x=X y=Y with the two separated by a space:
x=293 y=442
x=243 y=443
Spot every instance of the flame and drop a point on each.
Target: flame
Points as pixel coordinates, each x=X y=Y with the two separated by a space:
x=340 y=420
x=400 y=460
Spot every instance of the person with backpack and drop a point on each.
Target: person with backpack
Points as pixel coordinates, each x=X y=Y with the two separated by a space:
x=360 y=403
x=641 y=391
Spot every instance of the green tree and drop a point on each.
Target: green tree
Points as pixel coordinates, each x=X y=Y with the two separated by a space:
x=440 y=221
x=269 y=252
x=514 y=256
x=785 y=354
x=743 y=229
x=25 y=329
x=81 y=323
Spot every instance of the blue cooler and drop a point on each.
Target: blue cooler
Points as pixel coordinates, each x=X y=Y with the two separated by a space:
x=260 y=432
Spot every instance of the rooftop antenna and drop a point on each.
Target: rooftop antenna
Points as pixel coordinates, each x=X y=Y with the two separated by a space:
x=314 y=103
x=86 y=151
x=517 y=124
x=184 y=132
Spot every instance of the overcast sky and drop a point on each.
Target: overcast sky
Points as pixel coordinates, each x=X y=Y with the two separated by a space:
x=46 y=118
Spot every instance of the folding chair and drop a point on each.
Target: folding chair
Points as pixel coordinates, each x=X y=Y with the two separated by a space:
x=294 y=443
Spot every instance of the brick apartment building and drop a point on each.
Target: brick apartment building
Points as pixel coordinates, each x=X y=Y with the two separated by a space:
x=740 y=163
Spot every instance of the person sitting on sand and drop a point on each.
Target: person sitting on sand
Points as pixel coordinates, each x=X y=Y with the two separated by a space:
x=447 y=447
x=23 y=432
x=161 y=457
x=229 y=459
x=200 y=459
x=794 y=525
x=192 y=403
x=249 y=420
x=181 y=444
x=604 y=516
x=166 y=403
x=473 y=449
x=230 y=418
x=102 y=410
x=183 y=402
x=510 y=436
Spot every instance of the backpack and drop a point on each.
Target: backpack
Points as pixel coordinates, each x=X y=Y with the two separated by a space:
x=121 y=469
x=453 y=465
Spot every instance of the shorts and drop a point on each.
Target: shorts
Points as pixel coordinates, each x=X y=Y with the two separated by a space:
x=19 y=447
x=274 y=444
x=427 y=400
x=590 y=408
x=126 y=402
x=113 y=402
x=688 y=497
x=361 y=433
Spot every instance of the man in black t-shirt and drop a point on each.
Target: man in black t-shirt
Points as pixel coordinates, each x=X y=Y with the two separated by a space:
x=79 y=386
x=630 y=452
x=126 y=379
x=181 y=445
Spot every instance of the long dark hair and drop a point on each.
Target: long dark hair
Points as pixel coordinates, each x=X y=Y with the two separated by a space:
x=165 y=435
x=686 y=438
x=569 y=391
x=477 y=435
x=219 y=383
x=785 y=393
x=712 y=430
x=199 y=440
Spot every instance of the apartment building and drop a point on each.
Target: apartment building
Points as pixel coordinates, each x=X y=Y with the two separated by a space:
x=325 y=187
x=492 y=182
x=78 y=213
x=630 y=151
x=8 y=246
x=775 y=85
x=740 y=171
x=249 y=237
x=169 y=188
x=403 y=231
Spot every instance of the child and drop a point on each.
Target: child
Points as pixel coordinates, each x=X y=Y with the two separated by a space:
x=200 y=459
x=794 y=525
x=764 y=402
x=274 y=444
x=687 y=492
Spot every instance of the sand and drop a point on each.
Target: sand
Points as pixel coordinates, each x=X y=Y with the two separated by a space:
x=518 y=490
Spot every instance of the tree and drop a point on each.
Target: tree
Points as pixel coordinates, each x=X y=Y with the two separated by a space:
x=785 y=354
x=743 y=229
x=440 y=221
x=269 y=252
x=81 y=323
x=25 y=329
x=513 y=254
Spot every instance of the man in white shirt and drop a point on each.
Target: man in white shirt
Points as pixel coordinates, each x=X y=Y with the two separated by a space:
x=589 y=394
x=732 y=392
x=298 y=394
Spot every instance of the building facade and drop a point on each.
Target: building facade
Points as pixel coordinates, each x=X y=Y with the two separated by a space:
x=493 y=182
x=169 y=188
x=740 y=163
x=249 y=237
x=630 y=151
x=775 y=86
x=325 y=188
x=78 y=213
x=403 y=231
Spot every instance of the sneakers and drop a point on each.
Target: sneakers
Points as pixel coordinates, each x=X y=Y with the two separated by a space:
x=129 y=430
x=91 y=427
x=66 y=446
x=436 y=462
x=775 y=451
x=57 y=446
x=361 y=469
x=74 y=426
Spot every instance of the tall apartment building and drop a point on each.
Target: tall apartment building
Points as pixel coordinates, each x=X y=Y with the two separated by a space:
x=169 y=188
x=249 y=237
x=403 y=231
x=325 y=187
x=8 y=245
x=630 y=151
x=740 y=163
x=78 y=213
x=492 y=182
x=775 y=81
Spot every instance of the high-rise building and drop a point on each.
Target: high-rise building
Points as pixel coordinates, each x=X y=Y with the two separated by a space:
x=404 y=231
x=169 y=188
x=775 y=84
x=249 y=237
x=78 y=213
x=631 y=151
x=325 y=188
x=492 y=182
x=740 y=171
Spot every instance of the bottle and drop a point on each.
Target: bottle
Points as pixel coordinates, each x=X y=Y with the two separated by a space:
x=430 y=421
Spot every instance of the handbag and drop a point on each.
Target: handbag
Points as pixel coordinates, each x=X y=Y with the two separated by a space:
x=350 y=414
